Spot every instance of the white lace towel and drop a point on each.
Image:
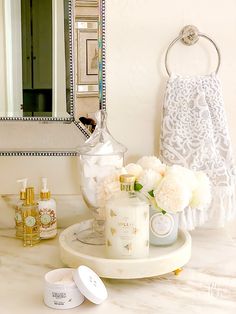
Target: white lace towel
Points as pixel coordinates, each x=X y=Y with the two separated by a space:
x=195 y=135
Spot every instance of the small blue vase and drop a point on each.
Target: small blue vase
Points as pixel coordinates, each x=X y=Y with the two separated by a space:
x=163 y=228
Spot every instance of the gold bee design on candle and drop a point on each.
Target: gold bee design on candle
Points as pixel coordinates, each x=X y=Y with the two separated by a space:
x=108 y=243
x=128 y=247
x=112 y=213
x=113 y=231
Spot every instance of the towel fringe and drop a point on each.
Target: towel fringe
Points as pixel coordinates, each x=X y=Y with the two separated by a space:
x=221 y=211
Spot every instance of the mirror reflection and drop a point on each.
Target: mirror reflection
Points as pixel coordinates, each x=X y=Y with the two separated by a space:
x=37 y=51
x=35 y=69
x=32 y=54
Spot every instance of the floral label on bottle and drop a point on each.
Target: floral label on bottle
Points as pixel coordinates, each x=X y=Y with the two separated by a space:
x=45 y=219
x=30 y=221
x=18 y=218
x=48 y=221
x=161 y=225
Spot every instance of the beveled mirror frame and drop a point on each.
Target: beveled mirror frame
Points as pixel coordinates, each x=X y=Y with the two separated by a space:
x=71 y=118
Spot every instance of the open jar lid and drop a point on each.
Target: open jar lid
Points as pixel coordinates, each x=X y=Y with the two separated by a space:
x=90 y=285
x=101 y=142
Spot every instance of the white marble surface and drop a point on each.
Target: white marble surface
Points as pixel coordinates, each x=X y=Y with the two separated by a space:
x=206 y=285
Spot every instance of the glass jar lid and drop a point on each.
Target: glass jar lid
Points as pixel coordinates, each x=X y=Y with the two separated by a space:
x=101 y=142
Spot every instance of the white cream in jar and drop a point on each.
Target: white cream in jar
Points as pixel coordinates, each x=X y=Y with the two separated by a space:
x=60 y=290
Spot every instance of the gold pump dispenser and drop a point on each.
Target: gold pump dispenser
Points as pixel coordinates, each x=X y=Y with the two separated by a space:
x=22 y=195
x=45 y=194
x=29 y=196
x=23 y=189
x=31 y=220
x=18 y=208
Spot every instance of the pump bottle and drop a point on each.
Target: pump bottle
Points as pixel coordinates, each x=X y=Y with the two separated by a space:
x=18 y=209
x=47 y=212
x=30 y=218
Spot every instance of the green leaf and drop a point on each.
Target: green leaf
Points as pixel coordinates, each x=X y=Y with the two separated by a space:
x=137 y=186
x=163 y=211
x=151 y=193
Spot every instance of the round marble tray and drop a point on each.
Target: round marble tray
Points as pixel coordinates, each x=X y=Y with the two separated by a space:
x=161 y=260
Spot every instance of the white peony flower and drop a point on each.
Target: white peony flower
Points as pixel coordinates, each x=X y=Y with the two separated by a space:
x=134 y=169
x=172 y=194
x=108 y=186
x=201 y=198
x=149 y=180
x=152 y=162
x=184 y=175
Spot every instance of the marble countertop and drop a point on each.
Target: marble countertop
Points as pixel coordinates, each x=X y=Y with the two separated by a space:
x=206 y=285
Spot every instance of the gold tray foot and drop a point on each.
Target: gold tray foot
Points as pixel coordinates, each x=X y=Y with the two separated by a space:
x=177 y=271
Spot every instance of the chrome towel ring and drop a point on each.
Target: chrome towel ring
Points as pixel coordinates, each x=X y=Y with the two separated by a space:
x=189 y=35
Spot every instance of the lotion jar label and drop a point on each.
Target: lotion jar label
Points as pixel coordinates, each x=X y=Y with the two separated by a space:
x=66 y=288
x=60 y=290
x=161 y=225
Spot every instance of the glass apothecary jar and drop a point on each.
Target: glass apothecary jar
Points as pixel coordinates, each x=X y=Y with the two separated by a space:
x=101 y=158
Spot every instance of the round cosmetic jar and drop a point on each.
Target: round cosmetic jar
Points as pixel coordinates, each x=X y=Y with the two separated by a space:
x=60 y=291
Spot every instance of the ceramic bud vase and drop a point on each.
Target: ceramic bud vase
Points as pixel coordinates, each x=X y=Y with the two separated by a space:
x=163 y=228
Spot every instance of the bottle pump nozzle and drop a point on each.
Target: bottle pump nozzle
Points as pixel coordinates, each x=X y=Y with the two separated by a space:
x=23 y=187
x=45 y=193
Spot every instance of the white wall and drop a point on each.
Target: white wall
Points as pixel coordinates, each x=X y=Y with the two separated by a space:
x=61 y=171
x=138 y=33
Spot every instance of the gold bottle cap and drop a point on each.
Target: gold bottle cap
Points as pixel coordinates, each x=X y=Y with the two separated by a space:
x=127 y=178
x=45 y=195
x=23 y=188
x=22 y=195
x=29 y=197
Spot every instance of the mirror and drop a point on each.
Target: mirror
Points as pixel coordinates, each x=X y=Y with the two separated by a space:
x=33 y=53
x=49 y=61
x=52 y=71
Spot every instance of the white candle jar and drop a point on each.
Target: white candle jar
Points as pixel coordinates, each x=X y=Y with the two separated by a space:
x=127 y=223
x=60 y=290
x=163 y=228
